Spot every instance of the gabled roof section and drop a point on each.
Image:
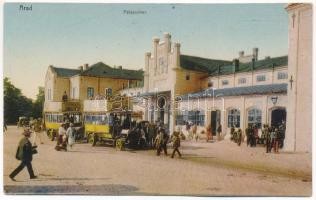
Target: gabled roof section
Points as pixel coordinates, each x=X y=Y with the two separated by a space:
x=222 y=67
x=201 y=64
x=65 y=72
x=263 y=64
x=238 y=91
x=102 y=70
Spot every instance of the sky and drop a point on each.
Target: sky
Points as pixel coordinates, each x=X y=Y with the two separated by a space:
x=70 y=35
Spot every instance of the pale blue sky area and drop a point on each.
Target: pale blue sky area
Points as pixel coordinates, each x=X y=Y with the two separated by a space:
x=70 y=35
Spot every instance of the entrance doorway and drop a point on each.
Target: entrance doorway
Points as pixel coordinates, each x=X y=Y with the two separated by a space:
x=215 y=120
x=277 y=116
x=161 y=108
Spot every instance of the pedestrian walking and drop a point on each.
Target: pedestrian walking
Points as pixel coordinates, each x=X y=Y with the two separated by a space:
x=71 y=135
x=239 y=136
x=264 y=134
x=232 y=130
x=162 y=140
x=209 y=135
x=176 y=143
x=194 y=132
x=256 y=134
x=276 y=141
x=252 y=140
x=268 y=139
x=61 y=140
x=25 y=153
x=219 y=132
x=273 y=138
x=37 y=126
x=151 y=135
x=282 y=128
x=248 y=134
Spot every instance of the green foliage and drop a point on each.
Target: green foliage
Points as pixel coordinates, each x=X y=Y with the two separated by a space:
x=39 y=103
x=17 y=105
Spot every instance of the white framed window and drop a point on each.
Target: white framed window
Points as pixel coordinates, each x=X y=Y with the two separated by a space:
x=261 y=78
x=242 y=80
x=255 y=117
x=225 y=82
x=90 y=92
x=282 y=75
x=233 y=118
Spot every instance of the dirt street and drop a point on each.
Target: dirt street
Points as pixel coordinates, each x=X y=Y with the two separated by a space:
x=206 y=169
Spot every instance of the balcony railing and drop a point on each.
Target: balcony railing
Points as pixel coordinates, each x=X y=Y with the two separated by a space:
x=61 y=106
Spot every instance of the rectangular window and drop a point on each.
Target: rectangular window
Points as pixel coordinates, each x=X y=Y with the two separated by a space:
x=90 y=92
x=210 y=84
x=108 y=92
x=242 y=80
x=49 y=95
x=187 y=77
x=261 y=78
x=224 y=82
x=282 y=75
x=197 y=117
x=73 y=92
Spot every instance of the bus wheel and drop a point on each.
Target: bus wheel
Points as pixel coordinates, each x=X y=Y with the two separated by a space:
x=93 y=139
x=119 y=143
x=90 y=138
x=48 y=134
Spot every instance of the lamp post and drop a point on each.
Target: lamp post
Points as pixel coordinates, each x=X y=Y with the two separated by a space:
x=274 y=99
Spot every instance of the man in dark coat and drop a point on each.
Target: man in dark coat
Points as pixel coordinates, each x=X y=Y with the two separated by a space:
x=25 y=153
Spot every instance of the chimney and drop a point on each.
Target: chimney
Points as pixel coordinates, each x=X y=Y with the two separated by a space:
x=86 y=66
x=253 y=63
x=167 y=40
x=176 y=51
x=147 y=57
x=235 y=65
x=255 y=53
x=241 y=54
x=155 y=47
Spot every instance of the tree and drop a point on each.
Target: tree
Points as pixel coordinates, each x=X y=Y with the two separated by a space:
x=15 y=104
x=39 y=103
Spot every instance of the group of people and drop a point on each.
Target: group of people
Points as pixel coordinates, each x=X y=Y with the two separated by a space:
x=66 y=136
x=162 y=139
x=236 y=135
x=273 y=137
x=191 y=128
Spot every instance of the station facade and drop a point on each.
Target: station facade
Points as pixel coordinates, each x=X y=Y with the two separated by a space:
x=175 y=88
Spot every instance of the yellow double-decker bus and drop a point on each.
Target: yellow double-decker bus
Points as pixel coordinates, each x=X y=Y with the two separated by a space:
x=53 y=121
x=58 y=112
x=105 y=119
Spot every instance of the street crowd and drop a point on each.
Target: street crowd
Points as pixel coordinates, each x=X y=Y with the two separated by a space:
x=151 y=136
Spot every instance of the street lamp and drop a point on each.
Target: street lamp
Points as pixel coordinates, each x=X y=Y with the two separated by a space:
x=274 y=99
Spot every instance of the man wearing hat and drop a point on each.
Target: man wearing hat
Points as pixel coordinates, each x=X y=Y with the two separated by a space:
x=176 y=142
x=25 y=153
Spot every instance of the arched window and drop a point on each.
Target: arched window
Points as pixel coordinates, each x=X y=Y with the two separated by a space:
x=233 y=118
x=255 y=117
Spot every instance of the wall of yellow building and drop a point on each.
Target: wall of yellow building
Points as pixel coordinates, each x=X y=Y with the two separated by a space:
x=194 y=84
x=60 y=86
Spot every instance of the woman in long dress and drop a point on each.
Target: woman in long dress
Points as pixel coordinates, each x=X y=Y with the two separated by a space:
x=71 y=135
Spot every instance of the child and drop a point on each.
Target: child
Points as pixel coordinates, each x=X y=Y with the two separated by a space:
x=176 y=144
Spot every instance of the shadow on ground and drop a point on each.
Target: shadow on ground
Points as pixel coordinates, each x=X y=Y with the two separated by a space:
x=107 y=189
